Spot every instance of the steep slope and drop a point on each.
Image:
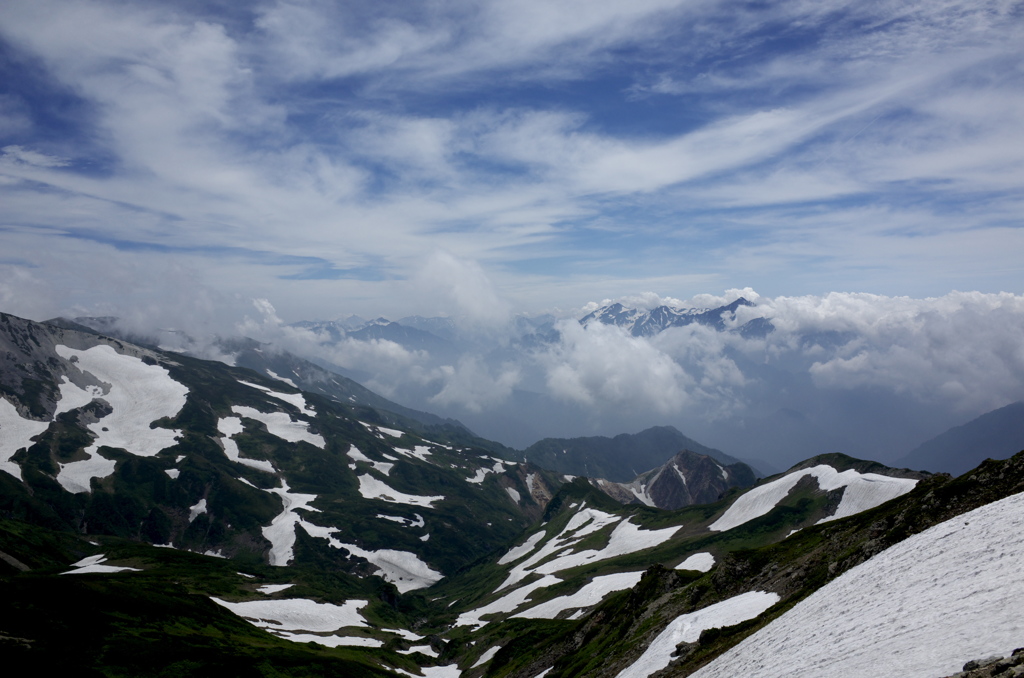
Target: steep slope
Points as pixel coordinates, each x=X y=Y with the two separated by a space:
x=337 y=530
x=278 y=364
x=637 y=633
x=907 y=604
x=686 y=479
x=995 y=435
x=103 y=437
x=619 y=459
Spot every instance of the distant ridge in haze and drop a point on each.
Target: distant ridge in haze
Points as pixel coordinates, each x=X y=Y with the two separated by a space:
x=620 y=459
x=999 y=434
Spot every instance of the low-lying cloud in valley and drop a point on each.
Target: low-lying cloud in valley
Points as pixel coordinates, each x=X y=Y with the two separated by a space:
x=863 y=374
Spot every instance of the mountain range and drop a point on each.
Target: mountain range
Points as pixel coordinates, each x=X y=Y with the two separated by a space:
x=166 y=515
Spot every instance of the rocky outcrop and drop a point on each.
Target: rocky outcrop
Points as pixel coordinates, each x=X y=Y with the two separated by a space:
x=1005 y=667
x=686 y=479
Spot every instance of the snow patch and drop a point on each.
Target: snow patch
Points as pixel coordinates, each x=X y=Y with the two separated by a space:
x=331 y=641
x=173 y=473
x=371 y=488
x=486 y=656
x=701 y=562
x=275 y=375
x=863 y=491
x=356 y=455
x=268 y=589
x=512 y=492
x=15 y=433
x=195 y=511
x=229 y=427
x=298 y=614
x=517 y=552
x=281 y=531
x=296 y=399
x=91 y=565
x=506 y=603
x=588 y=596
x=280 y=424
x=687 y=629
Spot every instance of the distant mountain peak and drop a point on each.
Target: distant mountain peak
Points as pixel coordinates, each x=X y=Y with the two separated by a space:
x=646 y=323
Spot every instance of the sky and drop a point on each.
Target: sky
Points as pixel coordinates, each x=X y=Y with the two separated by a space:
x=236 y=167
x=384 y=158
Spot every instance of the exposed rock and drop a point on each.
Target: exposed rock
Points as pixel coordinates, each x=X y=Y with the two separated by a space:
x=686 y=479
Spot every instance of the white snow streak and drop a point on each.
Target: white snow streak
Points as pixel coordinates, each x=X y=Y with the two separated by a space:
x=281 y=531
x=382 y=466
x=275 y=375
x=588 y=596
x=517 y=552
x=371 y=488
x=298 y=614
x=229 y=427
x=687 y=629
x=486 y=656
x=280 y=424
x=512 y=492
x=296 y=399
x=91 y=565
x=331 y=641
x=268 y=589
x=506 y=603
x=917 y=610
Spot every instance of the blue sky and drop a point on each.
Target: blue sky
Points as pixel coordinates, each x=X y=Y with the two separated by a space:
x=435 y=157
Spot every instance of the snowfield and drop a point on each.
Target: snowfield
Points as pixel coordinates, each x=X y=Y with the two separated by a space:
x=919 y=609
x=402 y=568
x=687 y=629
x=139 y=394
x=15 y=433
x=588 y=596
x=298 y=614
x=281 y=531
x=506 y=603
x=585 y=521
x=863 y=491
x=626 y=538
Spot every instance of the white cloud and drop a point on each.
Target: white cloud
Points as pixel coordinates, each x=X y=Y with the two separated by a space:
x=602 y=366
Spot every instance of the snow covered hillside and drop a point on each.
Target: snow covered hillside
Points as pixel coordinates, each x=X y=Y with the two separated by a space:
x=917 y=610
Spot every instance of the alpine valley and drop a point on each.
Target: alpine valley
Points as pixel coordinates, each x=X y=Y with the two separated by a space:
x=163 y=515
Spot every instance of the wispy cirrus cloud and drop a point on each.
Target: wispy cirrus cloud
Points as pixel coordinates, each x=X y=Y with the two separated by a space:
x=558 y=145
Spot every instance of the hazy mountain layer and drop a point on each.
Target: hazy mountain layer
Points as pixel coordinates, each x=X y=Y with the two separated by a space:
x=619 y=459
x=996 y=435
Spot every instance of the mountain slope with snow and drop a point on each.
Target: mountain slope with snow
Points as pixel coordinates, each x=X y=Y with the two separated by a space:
x=920 y=609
